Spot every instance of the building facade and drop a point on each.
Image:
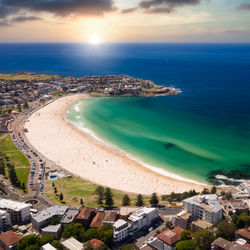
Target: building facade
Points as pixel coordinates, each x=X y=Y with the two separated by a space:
x=121 y=230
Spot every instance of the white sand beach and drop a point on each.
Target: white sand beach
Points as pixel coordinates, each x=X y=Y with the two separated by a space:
x=83 y=155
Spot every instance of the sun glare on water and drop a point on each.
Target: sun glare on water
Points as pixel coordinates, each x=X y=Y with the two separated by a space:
x=94 y=39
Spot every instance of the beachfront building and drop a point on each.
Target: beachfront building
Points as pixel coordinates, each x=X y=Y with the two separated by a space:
x=69 y=216
x=121 y=230
x=44 y=217
x=4 y=220
x=204 y=207
x=19 y=211
x=142 y=218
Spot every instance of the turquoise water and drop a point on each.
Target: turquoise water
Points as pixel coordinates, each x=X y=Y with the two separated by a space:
x=152 y=131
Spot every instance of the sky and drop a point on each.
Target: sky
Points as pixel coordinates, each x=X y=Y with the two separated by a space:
x=94 y=21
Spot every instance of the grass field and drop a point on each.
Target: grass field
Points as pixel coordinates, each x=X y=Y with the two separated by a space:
x=73 y=189
x=23 y=76
x=16 y=157
x=22 y=175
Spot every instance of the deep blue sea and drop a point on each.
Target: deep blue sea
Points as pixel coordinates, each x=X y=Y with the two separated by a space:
x=206 y=127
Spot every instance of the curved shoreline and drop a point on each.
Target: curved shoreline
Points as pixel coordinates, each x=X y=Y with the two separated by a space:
x=79 y=152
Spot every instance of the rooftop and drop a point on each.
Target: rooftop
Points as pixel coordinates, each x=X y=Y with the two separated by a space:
x=245 y=233
x=170 y=236
x=9 y=238
x=52 y=228
x=225 y=244
x=124 y=211
x=209 y=202
x=85 y=213
x=140 y=213
x=110 y=216
x=48 y=247
x=94 y=243
x=14 y=205
x=72 y=244
x=203 y=224
x=69 y=216
x=97 y=220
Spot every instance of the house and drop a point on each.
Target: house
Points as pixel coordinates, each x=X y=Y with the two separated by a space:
x=47 y=247
x=200 y=225
x=222 y=244
x=9 y=240
x=44 y=217
x=72 y=244
x=97 y=220
x=93 y=244
x=243 y=233
x=19 y=211
x=4 y=220
x=54 y=231
x=170 y=237
x=121 y=230
x=142 y=218
x=69 y=216
x=85 y=216
x=204 y=207
x=109 y=217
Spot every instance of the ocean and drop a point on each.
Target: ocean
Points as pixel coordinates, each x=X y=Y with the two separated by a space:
x=203 y=129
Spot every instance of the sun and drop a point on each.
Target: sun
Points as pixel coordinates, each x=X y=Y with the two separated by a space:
x=94 y=39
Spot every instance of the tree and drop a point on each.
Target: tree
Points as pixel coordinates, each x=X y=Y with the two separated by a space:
x=139 y=201
x=27 y=241
x=53 y=184
x=12 y=174
x=57 y=244
x=213 y=190
x=203 y=239
x=154 y=200
x=55 y=190
x=54 y=221
x=2 y=164
x=125 y=200
x=46 y=239
x=185 y=245
x=75 y=230
x=61 y=197
x=205 y=191
x=226 y=230
x=109 y=197
x=19 y=107
x=23 y=187
x=90 y=234
x=81 y=202
x=186 y=235
x=100 y=194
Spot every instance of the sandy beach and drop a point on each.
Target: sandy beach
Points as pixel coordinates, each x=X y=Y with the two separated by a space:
x=81 y=154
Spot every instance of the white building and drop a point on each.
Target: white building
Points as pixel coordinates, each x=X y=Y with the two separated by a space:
x=142 y=218
x=44 y=217
x=204 y=207
x=72 y=244
x=47 y=247
x=4 y=219
x=19 y=211
x=121 y=230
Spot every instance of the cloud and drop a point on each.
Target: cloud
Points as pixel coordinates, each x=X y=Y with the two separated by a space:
x=161 y=6
x=244 y=6
x=20 y=19
x=125 y=11
x=4 y=23
x=57 y=7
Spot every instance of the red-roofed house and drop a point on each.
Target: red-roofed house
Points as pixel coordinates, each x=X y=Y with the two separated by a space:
x=93 y=244
x=85 y=216
x=170 y=237
x=243 y=233
x=9 y=240
x=97 y=220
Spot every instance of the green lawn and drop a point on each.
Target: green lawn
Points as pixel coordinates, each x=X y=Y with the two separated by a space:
x=22 y=175
x=7 y=144
x=77 y=188
x=16 y=157
x=2 y=134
